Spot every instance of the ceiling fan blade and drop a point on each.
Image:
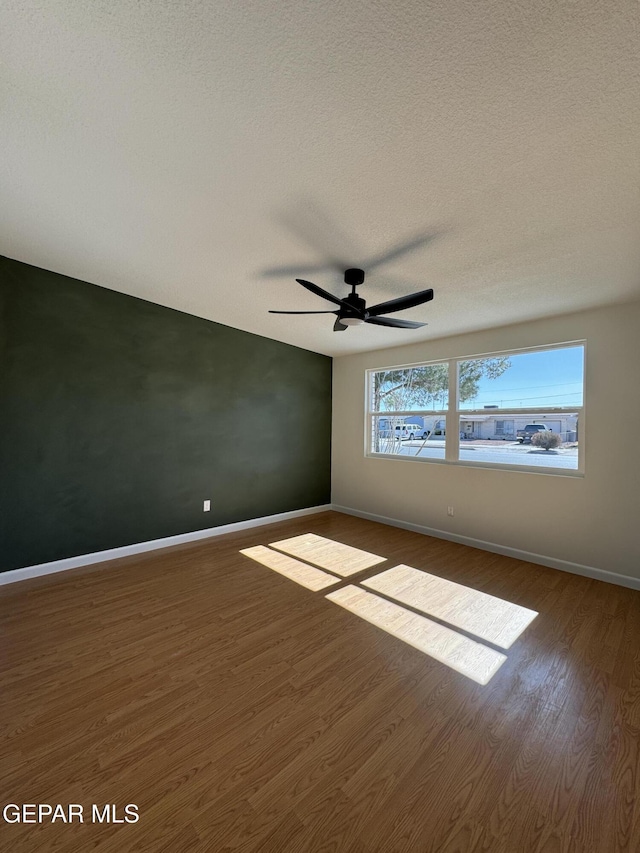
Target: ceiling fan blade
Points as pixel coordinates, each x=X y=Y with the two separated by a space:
x=401 y=303
x=323 y=293
x=397 y=324
x=303 y=312
x=402 y=249
x=338 y=326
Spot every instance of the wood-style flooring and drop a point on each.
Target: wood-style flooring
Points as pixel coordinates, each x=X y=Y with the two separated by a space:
x=241 y=711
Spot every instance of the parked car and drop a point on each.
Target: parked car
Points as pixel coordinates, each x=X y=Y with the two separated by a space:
x=524 y=435
x=404 y=431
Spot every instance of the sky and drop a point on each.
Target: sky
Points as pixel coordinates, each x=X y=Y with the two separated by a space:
x=535 y=379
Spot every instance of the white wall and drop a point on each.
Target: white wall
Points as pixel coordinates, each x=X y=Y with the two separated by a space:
x=592 y=521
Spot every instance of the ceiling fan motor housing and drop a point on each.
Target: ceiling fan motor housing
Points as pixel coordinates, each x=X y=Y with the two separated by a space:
x=356 y=303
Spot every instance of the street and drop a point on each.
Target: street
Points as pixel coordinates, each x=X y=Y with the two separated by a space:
x=509 y=453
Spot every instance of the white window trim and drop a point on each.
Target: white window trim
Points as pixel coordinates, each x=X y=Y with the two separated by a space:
x=453 y=413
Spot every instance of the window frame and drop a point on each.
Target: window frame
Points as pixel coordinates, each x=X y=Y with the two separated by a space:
x=454 y=413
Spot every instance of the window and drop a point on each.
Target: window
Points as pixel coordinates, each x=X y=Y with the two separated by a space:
x=504 y=429
x=522 y=410
x=408 y=410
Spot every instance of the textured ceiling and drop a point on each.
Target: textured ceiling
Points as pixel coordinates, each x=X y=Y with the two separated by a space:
x=180 y=151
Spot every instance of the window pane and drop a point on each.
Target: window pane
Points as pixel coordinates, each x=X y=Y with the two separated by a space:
x=534 y=440
x=422 y=436
x=411 y=389
x=522 y=381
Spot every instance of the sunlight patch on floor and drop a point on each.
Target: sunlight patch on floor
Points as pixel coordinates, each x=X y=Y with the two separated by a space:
x=466 y=656
x=344 y=560
x=307 y=576
x=486 y=616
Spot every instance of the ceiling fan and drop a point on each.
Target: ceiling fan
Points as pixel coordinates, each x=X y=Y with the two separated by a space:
x=353 y=309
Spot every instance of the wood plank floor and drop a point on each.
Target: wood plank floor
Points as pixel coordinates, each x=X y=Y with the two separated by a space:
x=243 y=712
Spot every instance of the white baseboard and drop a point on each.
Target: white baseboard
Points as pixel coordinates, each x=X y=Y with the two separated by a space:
x=14 y=575
x=540 y=559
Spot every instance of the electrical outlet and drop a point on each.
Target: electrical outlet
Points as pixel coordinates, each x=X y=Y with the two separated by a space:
x=449 y=510
x=207 y=506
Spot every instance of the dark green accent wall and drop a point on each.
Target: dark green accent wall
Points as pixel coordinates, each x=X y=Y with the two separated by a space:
x=119 y=417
